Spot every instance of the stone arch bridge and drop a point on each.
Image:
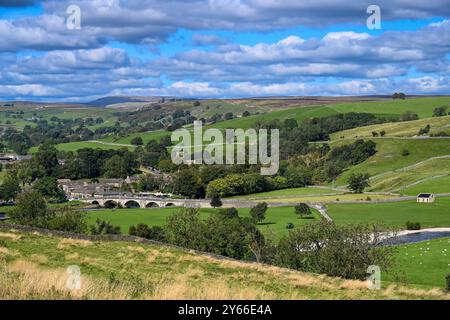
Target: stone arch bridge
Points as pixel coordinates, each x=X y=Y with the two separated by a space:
x=154 y=202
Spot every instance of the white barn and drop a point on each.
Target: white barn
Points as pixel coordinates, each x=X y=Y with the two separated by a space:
x=426 y=198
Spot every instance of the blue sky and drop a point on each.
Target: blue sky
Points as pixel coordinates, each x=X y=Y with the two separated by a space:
x=221 y=49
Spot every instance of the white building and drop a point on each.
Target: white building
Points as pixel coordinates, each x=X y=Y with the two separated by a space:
x=426 y=198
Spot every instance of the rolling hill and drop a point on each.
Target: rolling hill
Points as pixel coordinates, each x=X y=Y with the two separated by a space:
x=33 y=265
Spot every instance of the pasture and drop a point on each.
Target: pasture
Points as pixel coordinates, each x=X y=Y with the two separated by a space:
x=394 y=214
x=423 y=263
x=274 y=224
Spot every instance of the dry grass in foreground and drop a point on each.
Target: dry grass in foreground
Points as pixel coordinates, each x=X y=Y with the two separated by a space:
x=33 y=266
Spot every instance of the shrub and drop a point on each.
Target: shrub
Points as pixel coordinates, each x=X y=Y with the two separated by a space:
x=144 y=231
x=405 y=152
x=410 y=225
x=104 y=227
x=67 y=219
x=215 y=201
x=290 y=226
x=339 y=251
x=2 y=243
x=303 y=210
x=137 y=141
x=258 y=212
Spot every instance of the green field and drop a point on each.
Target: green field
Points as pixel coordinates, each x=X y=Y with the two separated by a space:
x=398 y=180
x=438 y=185
x=289 y=192
x=74 y=146
x=47 y=113
x=389 y=156
x=423 y=263
x=396 y=129
x=422 y=106
x=394 y=214
x=274 y=224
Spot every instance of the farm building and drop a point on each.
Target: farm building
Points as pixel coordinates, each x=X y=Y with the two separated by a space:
x=425 y=197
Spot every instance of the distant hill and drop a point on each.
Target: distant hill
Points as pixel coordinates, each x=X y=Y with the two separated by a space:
x=113 y=100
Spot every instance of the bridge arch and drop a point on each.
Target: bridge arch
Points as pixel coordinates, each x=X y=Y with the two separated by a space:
x=132 y=204
x=96 y=202
x=170 y=204
x=152 y=205
x=111 y=204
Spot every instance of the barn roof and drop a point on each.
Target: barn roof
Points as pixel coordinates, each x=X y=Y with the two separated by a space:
x=425 y=195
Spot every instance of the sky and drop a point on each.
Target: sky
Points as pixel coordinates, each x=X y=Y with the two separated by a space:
x=221 y=48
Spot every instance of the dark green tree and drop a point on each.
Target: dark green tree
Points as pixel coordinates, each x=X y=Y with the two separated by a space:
x=357 y=182
x=258 y=212
x=303 y=210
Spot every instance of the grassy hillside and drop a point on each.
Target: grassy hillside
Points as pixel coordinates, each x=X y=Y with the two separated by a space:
x=422 y=106
x=397 y=129
x=33 y=266
x=400 y=179
x=393 y=214
x=389 y=155
x=436 y=185
x=291 y=192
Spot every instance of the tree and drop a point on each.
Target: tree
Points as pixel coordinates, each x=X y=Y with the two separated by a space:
x=357 y=182
x=149 y=182
x=298 y=176
x=144 y=231
x=47 y=158
x=409 y=116
x=399 y=95
x=258 y=212
x=196 y=103
x=338 y=251
x=66 y=219
x=137 y=141
x=188 y=183
x=30 y=209
x=49 y=188
x=440 y=111
x=229 y=213
x=303 y=210
x=115 y=167
x=228 y=116
x=425 y=130
x=246 y=113
x=185 y=228
x=104 y=227
x=9 y=188
x=215 y=201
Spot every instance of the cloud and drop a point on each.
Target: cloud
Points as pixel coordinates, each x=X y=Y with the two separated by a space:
x=41 y=58
x=207 y=40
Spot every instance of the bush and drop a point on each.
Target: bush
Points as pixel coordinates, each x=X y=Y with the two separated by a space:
x=290 y=226
x=137 y=141
x=215 y=201
x=67 y=219
x=144 y=231
x=405 y=152
x=303 y=210
x=104 y=227
x=258 y=212
x=412 y=225
x=2 y=243
x=338 y=251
